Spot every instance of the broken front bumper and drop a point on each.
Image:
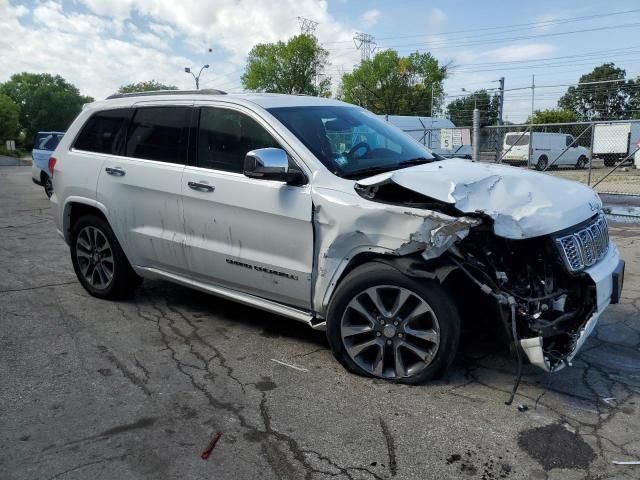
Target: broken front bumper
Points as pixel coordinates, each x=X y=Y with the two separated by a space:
x=608 y=278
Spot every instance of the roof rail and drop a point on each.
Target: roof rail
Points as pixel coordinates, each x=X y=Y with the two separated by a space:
x=206 y=91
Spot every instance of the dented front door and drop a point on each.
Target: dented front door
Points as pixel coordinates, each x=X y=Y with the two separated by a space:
x=246 y=234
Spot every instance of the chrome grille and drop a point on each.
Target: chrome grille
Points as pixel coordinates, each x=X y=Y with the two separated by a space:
x=585 y=246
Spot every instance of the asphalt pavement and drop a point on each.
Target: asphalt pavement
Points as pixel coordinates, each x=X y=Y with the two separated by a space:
x=136 y=389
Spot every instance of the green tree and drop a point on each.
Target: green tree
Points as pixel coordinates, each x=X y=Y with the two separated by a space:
x=461 y=109
x=395 y=85
x=604 y=101
x=148 y=86
x=46 y=102
x=553 y=115
x=296 y=66
x=9 y=119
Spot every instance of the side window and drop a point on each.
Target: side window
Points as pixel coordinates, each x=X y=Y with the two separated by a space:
x=225 y=136
x=569 y=140
x=104 y=132
x=159 y=133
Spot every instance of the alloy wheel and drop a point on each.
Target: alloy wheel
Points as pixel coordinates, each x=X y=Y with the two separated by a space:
x=390 y=332
x=95 y=257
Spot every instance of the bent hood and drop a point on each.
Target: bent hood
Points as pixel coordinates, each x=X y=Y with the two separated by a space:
x=522 y=203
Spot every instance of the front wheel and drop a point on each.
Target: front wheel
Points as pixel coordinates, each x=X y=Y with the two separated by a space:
x=382 y=323
x=98 y=260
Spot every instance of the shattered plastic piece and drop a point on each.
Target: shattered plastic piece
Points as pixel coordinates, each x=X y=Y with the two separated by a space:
x=522 y=407
x=211 y=445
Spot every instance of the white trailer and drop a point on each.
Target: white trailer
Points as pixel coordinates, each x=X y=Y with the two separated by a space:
x=613 y=142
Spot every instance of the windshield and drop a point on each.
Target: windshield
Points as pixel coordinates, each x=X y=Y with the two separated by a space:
x=517 y=139
x=351 y=142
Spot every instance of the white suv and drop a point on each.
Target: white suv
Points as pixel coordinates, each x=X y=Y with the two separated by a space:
x=319 y=211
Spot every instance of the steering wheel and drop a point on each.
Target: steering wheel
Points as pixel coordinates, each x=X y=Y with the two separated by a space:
x=357 y=147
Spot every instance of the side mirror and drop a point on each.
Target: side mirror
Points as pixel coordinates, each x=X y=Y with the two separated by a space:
x=267 y=164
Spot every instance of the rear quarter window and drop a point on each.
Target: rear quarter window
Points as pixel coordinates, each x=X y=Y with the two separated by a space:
x=104 y=132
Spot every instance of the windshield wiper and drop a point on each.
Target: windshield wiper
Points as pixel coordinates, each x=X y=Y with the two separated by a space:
x=415 y=161
x=366 y=172
x=388 y=168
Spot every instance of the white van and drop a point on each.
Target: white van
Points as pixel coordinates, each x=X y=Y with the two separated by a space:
x=548 y=149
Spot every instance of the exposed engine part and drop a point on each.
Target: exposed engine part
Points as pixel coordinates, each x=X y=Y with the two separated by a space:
x=542 y=300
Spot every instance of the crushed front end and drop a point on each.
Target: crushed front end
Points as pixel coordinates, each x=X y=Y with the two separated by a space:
x=552 y=288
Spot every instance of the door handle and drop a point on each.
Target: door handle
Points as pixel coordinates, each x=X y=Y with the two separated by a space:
x=201 y=187
x=115 y=171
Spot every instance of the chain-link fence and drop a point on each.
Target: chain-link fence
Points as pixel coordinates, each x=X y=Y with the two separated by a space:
x=447 y=142
x=603 y=155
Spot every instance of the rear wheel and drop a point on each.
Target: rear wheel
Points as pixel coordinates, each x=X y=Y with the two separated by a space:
x=47 y=184
x=543 y=161
x=582 y=162
x=384 y=324
x=98 y=260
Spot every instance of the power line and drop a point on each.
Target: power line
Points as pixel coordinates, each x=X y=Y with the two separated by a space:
x=545 y=23
x=438 y=45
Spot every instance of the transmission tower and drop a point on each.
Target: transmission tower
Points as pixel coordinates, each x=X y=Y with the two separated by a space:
x=364 y=42
x=307 y=26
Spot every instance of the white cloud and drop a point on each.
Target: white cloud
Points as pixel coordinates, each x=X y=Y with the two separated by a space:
x=233 y=25
x=370 y=18
x=95 y=62
x=531 y=51
x=437 y=17
x=103 y=49
x=162 y=30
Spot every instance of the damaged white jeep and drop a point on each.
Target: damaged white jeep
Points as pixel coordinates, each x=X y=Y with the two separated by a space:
x=319 y=211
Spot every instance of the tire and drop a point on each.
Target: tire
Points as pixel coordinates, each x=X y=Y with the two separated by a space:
x=423 y=334
x=47 y=184
x=98 y=260
x=609 y=162
x=582 y=162
x=543 y=161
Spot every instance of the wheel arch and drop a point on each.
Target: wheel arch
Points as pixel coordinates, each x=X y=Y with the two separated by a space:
x=467 y=297
x=74 y=208
x=412 y=265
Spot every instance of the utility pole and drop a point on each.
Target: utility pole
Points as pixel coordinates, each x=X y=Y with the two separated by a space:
x=365 y=43
x=533 y=94
x=501 y=106
x=475 y=141
x=307 y=26
x=432 y=87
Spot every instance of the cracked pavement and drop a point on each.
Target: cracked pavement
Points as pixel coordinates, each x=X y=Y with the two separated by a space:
x=135 y=389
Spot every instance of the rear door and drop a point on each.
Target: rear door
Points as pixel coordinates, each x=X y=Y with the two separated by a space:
x=140 y=187
x=246 y=234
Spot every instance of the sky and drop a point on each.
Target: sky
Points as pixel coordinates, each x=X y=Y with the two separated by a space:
x=99 y=45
